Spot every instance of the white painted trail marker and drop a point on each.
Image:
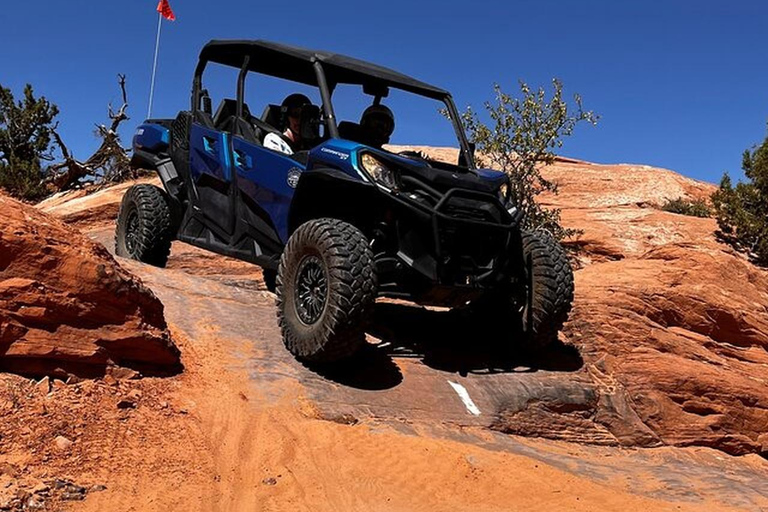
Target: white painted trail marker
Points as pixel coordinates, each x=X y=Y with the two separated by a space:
x=464 y=395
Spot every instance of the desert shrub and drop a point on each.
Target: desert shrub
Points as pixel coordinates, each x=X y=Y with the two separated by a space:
x=690 y=207
x=25 y=139
x=523 y=133
x=742 y=210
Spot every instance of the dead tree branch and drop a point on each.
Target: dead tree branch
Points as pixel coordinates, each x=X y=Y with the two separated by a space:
x=108 y=164
x=120 y=116
x=63 y=175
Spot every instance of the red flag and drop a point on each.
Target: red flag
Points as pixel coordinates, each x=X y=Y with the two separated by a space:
x=164 y=8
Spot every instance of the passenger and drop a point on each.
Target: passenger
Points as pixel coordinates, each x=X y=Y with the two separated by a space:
x=276 y=142
x=376 y=125
x=291 y=140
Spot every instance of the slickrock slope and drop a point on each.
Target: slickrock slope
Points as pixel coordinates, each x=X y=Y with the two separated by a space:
x=680 y=332
x=671 y=324
x=616 y=207
x=666 y=346
x=66 y=306
x=78 y=207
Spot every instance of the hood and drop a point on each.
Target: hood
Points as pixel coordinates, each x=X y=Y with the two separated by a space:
x=444 y=176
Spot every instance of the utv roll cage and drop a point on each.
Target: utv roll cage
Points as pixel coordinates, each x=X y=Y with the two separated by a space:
x=321 y=69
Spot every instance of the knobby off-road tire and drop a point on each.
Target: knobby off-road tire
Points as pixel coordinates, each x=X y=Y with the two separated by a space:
x=145 y=225
x=326 y=288
x=549 y=288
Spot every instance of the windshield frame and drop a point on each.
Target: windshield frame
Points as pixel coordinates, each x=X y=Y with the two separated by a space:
x=326 y=92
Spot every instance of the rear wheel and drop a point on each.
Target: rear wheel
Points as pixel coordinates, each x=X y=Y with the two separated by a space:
x=144 y=225
x=326 y=288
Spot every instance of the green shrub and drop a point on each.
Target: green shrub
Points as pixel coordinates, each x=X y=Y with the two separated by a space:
x=523 y=133
x=690 y=207
x=742 y=210
x=25 y=138
x=22 y=179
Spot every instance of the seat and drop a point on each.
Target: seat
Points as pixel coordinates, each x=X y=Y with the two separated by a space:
x=265 y=128
x=204 y=115
x=226 y=120
x=274 y=116
x=227 y=108
x=350 y=131
x=205 y=119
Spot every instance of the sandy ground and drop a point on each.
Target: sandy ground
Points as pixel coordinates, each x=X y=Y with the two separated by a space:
x=218 y=445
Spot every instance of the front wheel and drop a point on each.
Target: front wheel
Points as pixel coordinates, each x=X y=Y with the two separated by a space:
x=549 y=288
x=145 y=225
x=540 y=298
x=326 y=288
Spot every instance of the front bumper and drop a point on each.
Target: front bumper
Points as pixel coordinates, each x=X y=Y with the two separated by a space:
x=457 y=239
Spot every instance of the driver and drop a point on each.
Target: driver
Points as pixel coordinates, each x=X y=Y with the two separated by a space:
x=376 y=125
x=291 y=140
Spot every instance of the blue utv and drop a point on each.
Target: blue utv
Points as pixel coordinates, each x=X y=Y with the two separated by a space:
x=342 y=221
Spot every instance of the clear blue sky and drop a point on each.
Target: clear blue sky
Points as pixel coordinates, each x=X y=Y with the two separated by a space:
x=680 y=84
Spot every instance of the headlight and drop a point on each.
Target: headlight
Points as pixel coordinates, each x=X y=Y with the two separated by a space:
x=378 y=170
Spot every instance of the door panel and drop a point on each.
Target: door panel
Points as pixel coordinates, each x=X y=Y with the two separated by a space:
x=210 y=166
x=262 y=177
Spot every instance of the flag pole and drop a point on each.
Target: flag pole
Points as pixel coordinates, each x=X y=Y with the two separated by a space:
x=154 y=64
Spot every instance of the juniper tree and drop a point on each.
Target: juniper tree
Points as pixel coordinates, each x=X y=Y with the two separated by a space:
x=25 y=140
x=521 y=137
x=742 y=210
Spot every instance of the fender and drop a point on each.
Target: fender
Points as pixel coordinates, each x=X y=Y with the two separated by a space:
x=163 y=166
x=329 y=192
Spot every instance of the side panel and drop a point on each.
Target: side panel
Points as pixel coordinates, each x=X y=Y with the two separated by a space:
x=337 y=154
x=151 y=137
x=266 y=179
x=210 y=166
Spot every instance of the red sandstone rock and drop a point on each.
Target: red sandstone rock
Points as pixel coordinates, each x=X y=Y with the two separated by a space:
x=672 y=325
x=682 y=332
x=66 y=306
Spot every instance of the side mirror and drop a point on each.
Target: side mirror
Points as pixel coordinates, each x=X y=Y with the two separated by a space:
x=463 y=160
x=376 y=89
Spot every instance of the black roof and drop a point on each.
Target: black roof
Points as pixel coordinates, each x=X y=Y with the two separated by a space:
x=296 y=64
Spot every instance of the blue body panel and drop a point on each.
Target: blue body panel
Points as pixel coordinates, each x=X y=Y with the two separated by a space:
x=496 y=177
x=210 y=169
x=262 y=175
x=343 y=154
x=337 y=153
x=151 y=137
x=209 y=153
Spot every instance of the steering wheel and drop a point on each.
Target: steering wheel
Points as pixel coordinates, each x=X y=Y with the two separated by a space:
x=416 y=155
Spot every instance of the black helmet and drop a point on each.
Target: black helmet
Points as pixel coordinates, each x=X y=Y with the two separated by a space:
x=378 y=123
x=293 y=106
x=381 y=111
x=295 y=100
